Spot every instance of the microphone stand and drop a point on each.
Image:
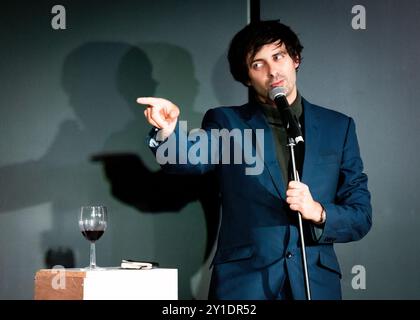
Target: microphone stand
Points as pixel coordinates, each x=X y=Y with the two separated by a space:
x=294 y=136
x=291 y=145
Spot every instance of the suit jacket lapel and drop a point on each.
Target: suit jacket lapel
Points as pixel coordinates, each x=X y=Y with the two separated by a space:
x=312 y=142
x=273 y=180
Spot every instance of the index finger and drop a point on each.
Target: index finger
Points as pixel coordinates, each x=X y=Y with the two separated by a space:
x=294 y=184
x=152 y=101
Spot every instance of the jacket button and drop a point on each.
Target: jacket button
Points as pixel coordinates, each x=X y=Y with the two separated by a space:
x=289 y=255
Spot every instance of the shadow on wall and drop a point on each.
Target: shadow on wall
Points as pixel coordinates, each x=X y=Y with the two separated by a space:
x=130 y=168
x=102 y=81
x=64 y=176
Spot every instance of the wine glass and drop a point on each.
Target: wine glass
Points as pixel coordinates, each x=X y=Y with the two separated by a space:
x=92 y=223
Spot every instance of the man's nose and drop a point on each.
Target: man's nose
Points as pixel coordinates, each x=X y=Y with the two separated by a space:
x=272 y=70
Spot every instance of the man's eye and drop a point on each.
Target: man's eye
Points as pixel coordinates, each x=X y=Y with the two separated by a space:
x=278 y=56
x=257 y=65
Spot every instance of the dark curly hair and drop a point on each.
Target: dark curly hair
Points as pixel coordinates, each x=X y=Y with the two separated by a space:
x=249 y=40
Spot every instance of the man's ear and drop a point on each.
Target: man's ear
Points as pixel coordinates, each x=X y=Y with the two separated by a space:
x=247 y=82
x=296 y=63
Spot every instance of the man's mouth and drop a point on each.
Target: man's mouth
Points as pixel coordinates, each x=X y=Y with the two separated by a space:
x=277 y=84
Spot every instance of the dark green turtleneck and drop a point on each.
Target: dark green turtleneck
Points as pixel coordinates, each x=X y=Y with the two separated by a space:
x=279 y=133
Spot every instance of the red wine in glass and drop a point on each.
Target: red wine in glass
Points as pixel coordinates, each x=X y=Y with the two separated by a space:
x=93 y=221
x=92 y=236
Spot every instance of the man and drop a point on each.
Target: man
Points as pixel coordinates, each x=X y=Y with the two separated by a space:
x=259 y=252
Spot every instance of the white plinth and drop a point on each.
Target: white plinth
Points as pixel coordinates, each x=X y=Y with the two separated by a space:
x=117 y=284
x=106 y=284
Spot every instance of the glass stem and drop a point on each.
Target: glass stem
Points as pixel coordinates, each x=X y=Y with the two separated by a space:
x=92 y=264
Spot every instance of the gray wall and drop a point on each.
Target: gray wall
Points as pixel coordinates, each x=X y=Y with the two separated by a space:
x=69 y=94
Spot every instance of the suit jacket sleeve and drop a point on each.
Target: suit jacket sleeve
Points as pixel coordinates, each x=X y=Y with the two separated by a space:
x=349 y=217
x=189 y=153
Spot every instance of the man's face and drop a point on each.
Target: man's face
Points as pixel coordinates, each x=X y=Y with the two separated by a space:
x=272 y=67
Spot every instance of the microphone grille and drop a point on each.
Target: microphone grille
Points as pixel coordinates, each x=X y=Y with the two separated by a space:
x=277 y=91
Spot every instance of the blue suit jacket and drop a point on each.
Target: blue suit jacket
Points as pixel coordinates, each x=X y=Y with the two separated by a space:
x=258 y=245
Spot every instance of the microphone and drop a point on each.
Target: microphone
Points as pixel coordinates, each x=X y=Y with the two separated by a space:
x=278 y=95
